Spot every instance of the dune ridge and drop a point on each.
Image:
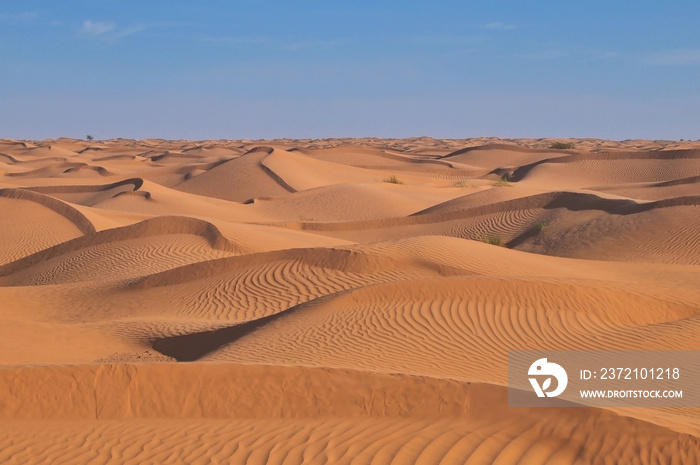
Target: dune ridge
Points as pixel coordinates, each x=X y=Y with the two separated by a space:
x=336 y=300
x=550 y=200
x=62 y=208
x=151 y=227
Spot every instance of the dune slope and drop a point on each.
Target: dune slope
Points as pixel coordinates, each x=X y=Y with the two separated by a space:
x=336 y=301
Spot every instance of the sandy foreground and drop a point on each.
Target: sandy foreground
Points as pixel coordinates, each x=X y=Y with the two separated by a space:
x=336 y=301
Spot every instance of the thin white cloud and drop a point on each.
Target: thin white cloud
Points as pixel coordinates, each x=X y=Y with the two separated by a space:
x=106 y=30
x=499 y=26
x=676 y=57
x=128 y=32
x=96 y=28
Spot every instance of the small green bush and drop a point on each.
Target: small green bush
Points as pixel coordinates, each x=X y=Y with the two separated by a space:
x=393 y=180
x=502 y=183
x=493 y=240
x=562 y=145
x=541 y=225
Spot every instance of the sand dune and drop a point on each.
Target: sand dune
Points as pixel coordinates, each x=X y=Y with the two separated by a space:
x=41 y=227
x=336 y=300
x=352 y=202
x=83 y=254
x=238 y=180
x=362 y=418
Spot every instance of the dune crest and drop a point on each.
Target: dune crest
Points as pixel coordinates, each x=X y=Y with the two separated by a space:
x=336 y=300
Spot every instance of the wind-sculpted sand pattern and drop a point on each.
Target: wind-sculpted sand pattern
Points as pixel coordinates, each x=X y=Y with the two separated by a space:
x=336 y=301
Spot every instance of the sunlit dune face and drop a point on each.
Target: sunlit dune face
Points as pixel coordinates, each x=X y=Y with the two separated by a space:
x=336 y=300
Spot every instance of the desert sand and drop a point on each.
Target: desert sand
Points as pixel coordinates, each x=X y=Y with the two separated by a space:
x=336 y=300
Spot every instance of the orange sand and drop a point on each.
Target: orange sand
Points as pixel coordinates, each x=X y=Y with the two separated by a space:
x=327 y=314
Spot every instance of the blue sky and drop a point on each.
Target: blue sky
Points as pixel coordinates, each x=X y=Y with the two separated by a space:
x=265 y=69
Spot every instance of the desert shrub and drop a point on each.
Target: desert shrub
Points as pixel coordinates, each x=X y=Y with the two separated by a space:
x=562 y=145
x=393 y=180
x=493 y=240
x=541 y=225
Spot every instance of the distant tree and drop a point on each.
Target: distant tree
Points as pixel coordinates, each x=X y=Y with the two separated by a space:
x=89 y=137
